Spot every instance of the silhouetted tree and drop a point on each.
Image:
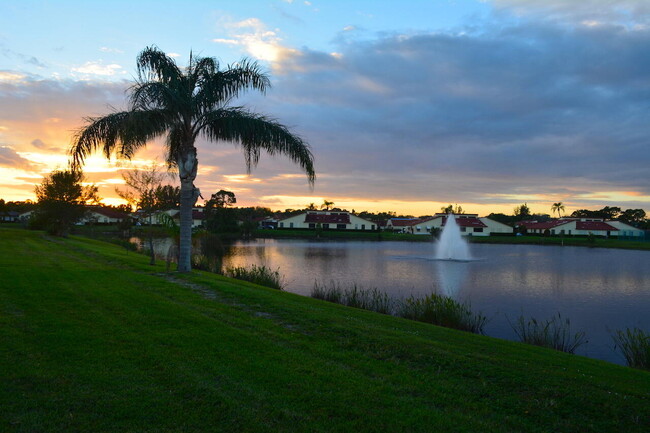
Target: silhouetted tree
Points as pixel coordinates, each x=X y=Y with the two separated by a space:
x=522 y=212
x=557 y=207
x=61 y=201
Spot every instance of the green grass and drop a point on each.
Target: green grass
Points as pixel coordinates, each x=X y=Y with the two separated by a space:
x=93 y=339
x=556 y=240
x=388 y=236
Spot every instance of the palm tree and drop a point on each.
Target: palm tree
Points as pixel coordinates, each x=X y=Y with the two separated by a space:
x=327 y=204
x=183 y=104
x=557 y=207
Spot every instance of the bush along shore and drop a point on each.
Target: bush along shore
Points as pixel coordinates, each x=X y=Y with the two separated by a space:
x=554 y=333
x=96 y=339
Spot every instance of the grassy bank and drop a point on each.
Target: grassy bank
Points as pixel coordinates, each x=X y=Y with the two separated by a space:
x=388 y=236
x=94 y=339
x=558 y=241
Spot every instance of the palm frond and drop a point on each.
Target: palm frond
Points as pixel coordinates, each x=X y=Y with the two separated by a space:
x=255 y=133
x=154 y=65
x=157 y=95
x=121 y=133
x=217 y=88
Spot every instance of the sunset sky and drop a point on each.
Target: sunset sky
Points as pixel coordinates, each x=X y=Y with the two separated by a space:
x=408 y=105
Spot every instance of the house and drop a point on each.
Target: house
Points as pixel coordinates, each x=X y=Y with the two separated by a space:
x=581 y=227
x=327 y=220
x=103 y=215
x=402 y=225
x=197 y=216
x=267 y=222
x=469 y=224
x=9 y=217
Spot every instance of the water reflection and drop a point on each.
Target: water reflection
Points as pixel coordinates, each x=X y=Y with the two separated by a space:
x=451 y=277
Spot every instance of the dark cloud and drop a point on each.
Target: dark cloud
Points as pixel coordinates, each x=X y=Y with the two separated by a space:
x=488 y=115
x=38 y=143
x=9 y=158
x=590 y=12
x=508 y=110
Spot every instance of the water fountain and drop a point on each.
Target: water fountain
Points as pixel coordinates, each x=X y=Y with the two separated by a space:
x=451 y=245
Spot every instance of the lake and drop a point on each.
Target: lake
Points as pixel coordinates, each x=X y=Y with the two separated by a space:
x=599 y=290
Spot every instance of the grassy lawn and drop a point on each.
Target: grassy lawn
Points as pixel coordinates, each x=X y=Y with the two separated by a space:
x=95 y=340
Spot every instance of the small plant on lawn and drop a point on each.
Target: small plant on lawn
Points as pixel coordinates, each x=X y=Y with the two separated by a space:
x=553 y=333
x=635 y=345
x=258 y=275
x=443 y=311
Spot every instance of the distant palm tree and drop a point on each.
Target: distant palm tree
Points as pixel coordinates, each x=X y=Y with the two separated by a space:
x=557 y=207
x=327 y=205
x=183 y=104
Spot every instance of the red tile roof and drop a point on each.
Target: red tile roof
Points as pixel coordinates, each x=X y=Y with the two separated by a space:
x=466 y=221
x=534 y=225
x=594 y=225
x=334 y=218
x=404 y=222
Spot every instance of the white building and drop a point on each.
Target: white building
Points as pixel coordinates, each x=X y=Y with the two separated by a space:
x=469 y=224
x=582 y=227
x=327 y=220
x=101 y=215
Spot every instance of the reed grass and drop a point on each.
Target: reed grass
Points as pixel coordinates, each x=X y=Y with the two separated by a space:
x=358 y=297
x=554 y=333
x=435 y=308
x=635 y=345
x=444 y=311
x=261 y=275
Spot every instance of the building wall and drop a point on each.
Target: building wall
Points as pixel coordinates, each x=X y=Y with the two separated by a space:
x=425 y=227
x=298 y=222
x=626 y=229
x=495 y=226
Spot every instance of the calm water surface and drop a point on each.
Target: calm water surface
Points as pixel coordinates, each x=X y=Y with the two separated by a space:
x=599 y=290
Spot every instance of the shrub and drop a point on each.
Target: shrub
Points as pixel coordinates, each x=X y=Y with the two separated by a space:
x=635 y=345
x=257 y=274
x=357 y=297
x=443 y=311
x=553 y=333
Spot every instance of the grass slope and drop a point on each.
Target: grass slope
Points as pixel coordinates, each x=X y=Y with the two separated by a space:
x=94 y=339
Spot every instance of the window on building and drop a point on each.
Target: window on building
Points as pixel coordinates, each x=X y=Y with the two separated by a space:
x=326 y=226
x=340 y=226
x=281 y=225
x=478 y=229
x=312 y=225
x=463 y=229
x=363 y=226
x=290 y=225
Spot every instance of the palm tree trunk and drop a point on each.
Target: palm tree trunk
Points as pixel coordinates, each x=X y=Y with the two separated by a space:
x=187 y=169
x=187 y=203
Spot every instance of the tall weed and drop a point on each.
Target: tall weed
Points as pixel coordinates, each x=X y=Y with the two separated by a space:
x=443 y=311
x=635 y=345
x=257 y=274
x=553 y=333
